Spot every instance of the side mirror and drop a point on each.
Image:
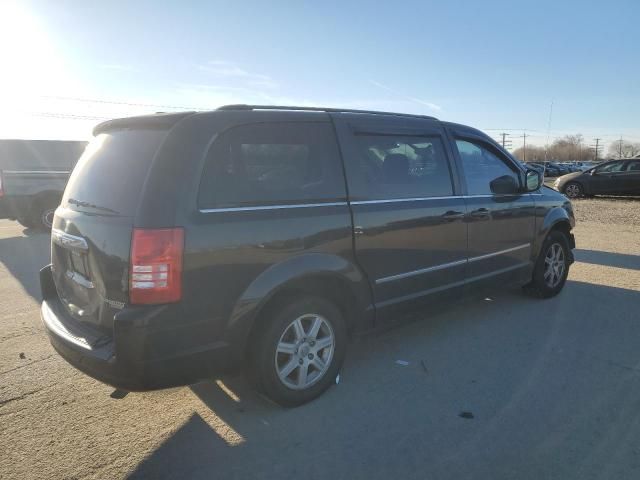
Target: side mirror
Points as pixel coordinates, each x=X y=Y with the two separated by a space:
x=504 y=184
x=533 y=180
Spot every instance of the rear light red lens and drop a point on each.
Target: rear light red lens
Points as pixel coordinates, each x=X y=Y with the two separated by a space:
x=155 y=274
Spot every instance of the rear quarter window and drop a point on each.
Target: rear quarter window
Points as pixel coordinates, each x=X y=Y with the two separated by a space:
x=111 y=172
x=272 y=164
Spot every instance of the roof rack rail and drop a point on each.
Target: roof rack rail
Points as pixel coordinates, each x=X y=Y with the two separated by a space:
x=319 y=109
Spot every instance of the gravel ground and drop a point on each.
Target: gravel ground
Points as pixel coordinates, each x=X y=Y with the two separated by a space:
x=505 y=387
x=608 y=210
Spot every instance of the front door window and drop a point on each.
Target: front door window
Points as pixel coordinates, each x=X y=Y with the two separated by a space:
x=481 y=166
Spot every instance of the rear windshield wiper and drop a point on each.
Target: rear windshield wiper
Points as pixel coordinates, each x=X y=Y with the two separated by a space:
x=81 y=203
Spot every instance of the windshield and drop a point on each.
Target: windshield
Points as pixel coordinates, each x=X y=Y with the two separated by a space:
x=109 y=175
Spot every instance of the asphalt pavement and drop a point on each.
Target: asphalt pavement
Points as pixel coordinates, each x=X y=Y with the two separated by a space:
x=501 y=387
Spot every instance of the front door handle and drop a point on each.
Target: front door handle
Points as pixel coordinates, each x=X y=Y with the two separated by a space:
x=480 y=213
x=452 y=215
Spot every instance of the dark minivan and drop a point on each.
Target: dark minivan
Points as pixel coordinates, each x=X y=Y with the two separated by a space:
x=191 y=243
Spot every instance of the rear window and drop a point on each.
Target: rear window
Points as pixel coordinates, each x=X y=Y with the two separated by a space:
x=272 y=164
x=110 y=173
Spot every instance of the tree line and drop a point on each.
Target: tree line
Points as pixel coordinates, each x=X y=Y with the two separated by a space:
x=571 y=148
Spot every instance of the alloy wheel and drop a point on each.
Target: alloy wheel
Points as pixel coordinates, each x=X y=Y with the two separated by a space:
x=554 y=265
x=47 y=217
x=304 y=351
x=573 y=190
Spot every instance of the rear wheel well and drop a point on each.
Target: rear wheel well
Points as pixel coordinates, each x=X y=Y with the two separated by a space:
x=329 y=287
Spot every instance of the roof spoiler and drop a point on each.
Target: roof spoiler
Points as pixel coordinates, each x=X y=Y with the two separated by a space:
x=158 y=120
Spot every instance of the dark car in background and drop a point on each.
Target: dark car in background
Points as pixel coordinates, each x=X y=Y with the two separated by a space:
x=555 y=169
x=570 y=167
x=617 y=177
x=549 y=169
x=33 y=175
x=263 y=237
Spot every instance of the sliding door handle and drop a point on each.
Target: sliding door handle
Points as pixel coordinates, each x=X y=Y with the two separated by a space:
x=480 y=213
x=452 y=215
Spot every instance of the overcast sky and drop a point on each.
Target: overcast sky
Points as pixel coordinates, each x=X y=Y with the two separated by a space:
x=493 y=65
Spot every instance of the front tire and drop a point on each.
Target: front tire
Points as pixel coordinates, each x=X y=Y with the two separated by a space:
x=573 y=190
x=295 y=355
x=552 y=267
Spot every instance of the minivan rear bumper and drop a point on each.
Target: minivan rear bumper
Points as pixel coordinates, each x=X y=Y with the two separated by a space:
x=122 y=360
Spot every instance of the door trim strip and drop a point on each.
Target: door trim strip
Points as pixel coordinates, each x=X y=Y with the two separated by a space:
x=399 y=200
x=355 y=202
x=435 y=268
x=449 y=197
x=273 y=207
x=448 y=286
x=501 y=252
x=443 y=266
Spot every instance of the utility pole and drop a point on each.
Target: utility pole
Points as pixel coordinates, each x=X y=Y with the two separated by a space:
x=505 y=142
x=546 y=147
x=524 y=150
x=579 y=159
x=596 y=148
x=620 y=147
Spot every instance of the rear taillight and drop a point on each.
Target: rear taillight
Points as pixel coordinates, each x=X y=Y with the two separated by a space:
x=155 y=274
x=1 y=189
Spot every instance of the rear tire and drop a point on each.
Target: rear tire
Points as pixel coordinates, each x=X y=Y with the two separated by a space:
x=295 y=355
x=552 y=267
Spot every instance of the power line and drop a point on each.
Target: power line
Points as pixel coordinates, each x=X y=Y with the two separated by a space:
x=68 y=116
x=558 y=133
x=112 y=102
x=514 y=130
